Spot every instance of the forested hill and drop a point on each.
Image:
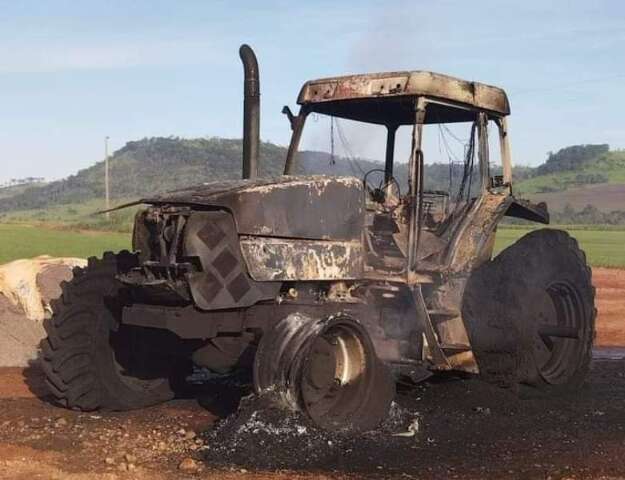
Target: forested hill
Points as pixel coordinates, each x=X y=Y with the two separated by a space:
x=148 y=166
x=154 y=165
x=577 y=166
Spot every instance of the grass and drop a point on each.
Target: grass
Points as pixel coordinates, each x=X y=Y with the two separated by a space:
x=604 y=248
x=77 y=216
x=25 y=241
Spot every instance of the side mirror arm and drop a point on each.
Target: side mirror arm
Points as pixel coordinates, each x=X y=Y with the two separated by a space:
x=289 y=115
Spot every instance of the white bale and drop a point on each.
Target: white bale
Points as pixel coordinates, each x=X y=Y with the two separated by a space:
x=18 y=283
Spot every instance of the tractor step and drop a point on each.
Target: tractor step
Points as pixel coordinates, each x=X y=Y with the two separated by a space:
x=441 y=313
x=453 y=348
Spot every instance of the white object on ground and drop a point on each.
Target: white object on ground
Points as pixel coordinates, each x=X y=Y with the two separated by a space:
x=18 y=282
x=413 y=428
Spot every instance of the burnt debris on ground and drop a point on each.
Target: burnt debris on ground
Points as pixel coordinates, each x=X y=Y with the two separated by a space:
x=263 y=436
x=451 y=427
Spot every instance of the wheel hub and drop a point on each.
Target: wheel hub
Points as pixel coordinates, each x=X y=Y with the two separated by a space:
x=558 y=331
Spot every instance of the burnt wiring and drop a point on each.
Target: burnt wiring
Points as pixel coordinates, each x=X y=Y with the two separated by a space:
x=463 y=194
x=469 y=161
x=349 y=156
x=332 y=158
x=452 y=158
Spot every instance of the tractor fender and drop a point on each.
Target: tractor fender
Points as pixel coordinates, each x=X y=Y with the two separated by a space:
x=534 y=212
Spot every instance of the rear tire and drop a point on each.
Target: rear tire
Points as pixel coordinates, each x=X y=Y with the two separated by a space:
x=531 y=314
x=90 y=360
x=327 y=369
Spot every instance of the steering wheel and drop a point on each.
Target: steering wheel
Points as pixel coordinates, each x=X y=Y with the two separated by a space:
x=379 y=191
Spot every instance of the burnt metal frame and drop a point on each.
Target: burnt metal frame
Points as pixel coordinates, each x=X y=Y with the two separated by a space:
x=416 y=162
x=389 y=157
x=415 y=184
x=297 y=123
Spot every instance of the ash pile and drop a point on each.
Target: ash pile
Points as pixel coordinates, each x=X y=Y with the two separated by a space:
x=261 y=435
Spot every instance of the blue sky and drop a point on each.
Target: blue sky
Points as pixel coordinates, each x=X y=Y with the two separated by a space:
x=73 y=72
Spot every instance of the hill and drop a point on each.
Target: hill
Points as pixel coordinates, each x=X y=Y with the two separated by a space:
x=155 y=165
x=568 y=181
x=608 y=167
x=15 y=187
x=595 y=177
x=148 y=166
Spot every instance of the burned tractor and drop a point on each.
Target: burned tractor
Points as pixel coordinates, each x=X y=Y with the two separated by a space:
x=330 y=289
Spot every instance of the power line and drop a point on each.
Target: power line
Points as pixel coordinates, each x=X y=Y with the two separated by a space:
x=106 y=176
x=567 y=85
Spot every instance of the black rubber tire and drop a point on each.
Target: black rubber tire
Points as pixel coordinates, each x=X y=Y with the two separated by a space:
x=540 y=281
x=80 y=356
x=282 y=360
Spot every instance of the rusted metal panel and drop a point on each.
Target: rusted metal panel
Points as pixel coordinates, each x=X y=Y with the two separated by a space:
x=467 y=250
x=284 y=206
x=464 y=361
x=272 y=259
x=395 y=84
x=222 y=281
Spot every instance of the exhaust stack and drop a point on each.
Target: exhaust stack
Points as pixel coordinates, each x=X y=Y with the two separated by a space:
x=251 y=112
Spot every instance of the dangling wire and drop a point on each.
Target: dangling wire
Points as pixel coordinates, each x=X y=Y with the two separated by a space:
x=332 y=159
x=463 y=194
x=468 y=167
x=467 y=162
x=351 y=159
x=452 y=158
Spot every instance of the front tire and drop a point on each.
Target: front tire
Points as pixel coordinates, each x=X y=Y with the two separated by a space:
x=92 y=361
x=531 y=313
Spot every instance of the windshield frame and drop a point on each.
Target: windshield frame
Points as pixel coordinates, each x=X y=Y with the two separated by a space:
x=298 y=123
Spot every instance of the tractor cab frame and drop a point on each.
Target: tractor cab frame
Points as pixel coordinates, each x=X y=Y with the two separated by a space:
x=416 y=99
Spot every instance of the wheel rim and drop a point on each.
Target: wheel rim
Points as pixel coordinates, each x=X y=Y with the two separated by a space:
x=560 y=332
x=336 y=374
x=325 y=368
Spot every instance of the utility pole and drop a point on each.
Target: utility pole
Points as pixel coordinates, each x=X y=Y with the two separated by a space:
x=106 y=176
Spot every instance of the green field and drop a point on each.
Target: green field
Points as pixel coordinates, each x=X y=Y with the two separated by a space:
x=77 y=216
x=23 y=241
x=603 y=247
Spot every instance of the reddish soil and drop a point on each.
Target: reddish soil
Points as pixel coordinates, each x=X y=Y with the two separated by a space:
x=610 y=302
x=39 y=440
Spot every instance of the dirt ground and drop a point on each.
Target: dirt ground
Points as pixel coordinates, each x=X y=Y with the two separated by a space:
x=610 y=302
x=463 y=428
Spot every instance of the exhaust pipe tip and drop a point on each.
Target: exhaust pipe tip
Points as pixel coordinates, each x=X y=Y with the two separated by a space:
x=250 y=70
x=251 y=111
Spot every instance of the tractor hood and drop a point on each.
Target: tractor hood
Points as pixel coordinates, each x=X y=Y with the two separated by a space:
x=310 y=207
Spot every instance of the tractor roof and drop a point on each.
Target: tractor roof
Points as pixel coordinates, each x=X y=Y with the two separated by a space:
x=388 y=98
